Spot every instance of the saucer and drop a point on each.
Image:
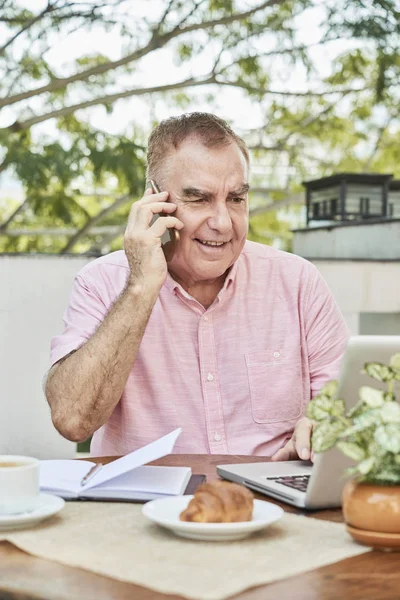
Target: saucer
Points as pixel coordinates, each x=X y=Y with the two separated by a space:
x=47 y=505
x=376 y=539
x=166 y=511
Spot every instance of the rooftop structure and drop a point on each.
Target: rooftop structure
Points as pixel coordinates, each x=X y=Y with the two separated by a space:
x=352 y=197
x=353 y=238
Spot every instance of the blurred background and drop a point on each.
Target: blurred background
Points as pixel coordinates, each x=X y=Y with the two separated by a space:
x=313 y=86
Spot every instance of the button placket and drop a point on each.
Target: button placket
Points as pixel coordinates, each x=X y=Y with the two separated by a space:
x=210 y=386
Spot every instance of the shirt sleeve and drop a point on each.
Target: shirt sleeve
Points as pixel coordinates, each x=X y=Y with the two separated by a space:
x=84 y=313
x=326 y=333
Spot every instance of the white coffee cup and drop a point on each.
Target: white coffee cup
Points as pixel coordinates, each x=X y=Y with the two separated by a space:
x=19 y=484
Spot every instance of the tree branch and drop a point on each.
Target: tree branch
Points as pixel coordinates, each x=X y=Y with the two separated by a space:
x=109 y=99
x=90 y=222
x=381 y=132
x=107 y=238
x=308 y=94
x=49 y=8
x=280 y=144
x=191 y=82
x=155 y=42
x=165 y=15
x=57 y=231
x=273 y=206
x=16 y=212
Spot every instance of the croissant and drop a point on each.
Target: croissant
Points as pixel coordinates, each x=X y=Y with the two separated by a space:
x=219 y=502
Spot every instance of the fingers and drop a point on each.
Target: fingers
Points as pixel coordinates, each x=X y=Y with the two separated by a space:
x=299 y=446
x=149 y=196
x=288 y=452
x=161 y=225
x=302 y=438
x=145 y=212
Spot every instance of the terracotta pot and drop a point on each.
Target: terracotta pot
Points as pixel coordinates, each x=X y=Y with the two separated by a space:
x=372 y=513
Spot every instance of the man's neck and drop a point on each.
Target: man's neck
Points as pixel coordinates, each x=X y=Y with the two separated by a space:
x=204 y=292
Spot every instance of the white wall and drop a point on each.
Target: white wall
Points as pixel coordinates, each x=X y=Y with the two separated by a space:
x=379 y=241
x=34 y=291
x=360 y=287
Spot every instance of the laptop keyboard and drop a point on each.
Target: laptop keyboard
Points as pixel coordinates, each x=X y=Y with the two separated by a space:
x=298 y=482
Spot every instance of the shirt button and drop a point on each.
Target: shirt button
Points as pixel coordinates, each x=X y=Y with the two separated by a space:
x=217 y=437
x=210 y=377
x=276 y=354
x=205 y=318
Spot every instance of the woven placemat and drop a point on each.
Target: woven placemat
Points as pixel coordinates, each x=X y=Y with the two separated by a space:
x=115 y=540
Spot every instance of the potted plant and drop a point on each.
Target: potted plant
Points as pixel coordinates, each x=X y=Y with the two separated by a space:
x=369 y=433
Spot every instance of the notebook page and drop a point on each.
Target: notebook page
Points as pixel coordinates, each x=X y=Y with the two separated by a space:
x=137 y=458
x=166 y=480
x=63 y=474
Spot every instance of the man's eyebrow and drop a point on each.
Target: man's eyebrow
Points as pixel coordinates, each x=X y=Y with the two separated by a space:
x=240 y=192
x=192 y=192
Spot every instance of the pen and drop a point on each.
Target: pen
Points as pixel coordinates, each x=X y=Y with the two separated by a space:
x=90 y=474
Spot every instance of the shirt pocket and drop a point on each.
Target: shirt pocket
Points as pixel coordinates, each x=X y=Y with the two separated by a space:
x=276 y=390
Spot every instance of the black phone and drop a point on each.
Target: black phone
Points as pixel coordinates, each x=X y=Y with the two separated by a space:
x=170 y=236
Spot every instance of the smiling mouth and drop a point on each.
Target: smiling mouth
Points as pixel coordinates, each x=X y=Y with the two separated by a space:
x=210 y=243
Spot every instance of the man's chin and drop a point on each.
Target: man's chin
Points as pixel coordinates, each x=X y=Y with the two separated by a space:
x=212 y=271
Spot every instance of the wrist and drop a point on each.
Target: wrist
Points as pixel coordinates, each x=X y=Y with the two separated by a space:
x=142 y=289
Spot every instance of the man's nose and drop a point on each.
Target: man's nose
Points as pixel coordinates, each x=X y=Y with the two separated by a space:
x=220 y=219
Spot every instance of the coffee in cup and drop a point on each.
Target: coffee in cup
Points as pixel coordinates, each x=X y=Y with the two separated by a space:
x=19 y=484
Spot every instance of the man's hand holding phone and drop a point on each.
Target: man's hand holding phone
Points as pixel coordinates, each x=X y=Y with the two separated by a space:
x=142 y=239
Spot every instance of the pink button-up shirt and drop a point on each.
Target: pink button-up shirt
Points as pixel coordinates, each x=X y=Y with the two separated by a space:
x=236 y=376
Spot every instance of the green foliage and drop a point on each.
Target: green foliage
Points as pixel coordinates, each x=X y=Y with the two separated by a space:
x=268 y=228
x=220 y=5
x=318 y=134
x=369 y=433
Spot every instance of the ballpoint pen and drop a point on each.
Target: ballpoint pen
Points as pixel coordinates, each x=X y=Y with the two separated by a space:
x=90 y=474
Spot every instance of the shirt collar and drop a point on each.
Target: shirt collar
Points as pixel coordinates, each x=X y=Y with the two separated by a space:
x=174 y=286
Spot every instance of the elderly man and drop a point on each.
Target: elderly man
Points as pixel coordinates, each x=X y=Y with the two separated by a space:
x=228 y=339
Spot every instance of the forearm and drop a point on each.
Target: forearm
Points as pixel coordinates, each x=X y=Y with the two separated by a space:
x=85 y=388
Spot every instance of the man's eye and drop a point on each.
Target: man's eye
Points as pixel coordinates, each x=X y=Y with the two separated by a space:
x=238 y=200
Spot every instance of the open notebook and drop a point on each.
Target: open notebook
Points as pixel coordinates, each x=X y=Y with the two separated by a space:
x=124 y=479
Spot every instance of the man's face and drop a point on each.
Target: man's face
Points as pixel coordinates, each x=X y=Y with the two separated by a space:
x=209 y=187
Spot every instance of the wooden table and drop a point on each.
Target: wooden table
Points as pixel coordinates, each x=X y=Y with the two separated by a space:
x=374 y=575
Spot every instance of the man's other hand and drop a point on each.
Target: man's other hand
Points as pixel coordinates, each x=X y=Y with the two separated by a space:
x=299 y=445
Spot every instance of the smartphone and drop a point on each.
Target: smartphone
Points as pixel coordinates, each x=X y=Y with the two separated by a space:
x=170 y=236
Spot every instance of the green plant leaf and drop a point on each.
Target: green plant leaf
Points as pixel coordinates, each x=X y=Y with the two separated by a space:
x=362 y=422
x=390 y=412
x=372 y=397
x=325 y=435
x=357 y=409
x=386 y=476
x=319 y=408
x=338 y=408
x=395 y=362
x=378 y=371
x=329 y=389
x=388 y=437
x=351 y=450
x=366 y=465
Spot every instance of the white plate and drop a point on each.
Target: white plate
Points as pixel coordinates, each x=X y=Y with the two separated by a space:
x=166 y=511
x=47 y=506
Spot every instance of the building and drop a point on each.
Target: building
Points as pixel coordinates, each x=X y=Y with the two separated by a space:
x=353 y=238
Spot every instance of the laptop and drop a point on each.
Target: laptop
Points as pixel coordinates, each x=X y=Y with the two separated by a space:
x=319 y=484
